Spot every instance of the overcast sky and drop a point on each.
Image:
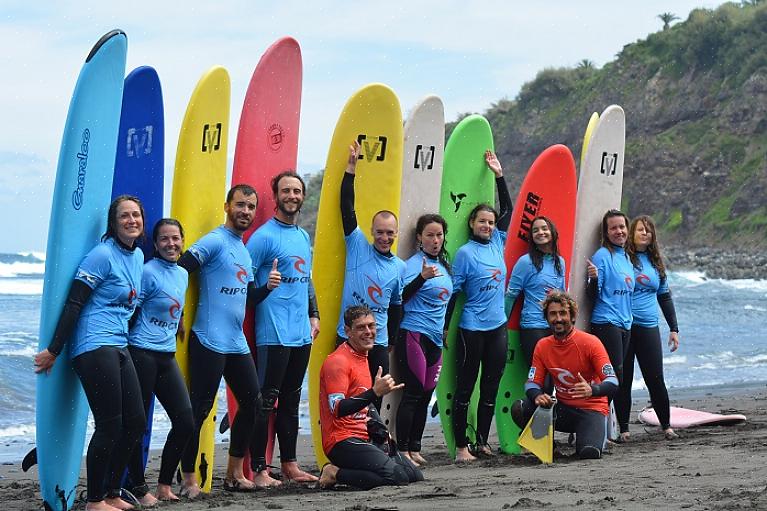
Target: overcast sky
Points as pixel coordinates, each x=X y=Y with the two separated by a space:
x=469 y=53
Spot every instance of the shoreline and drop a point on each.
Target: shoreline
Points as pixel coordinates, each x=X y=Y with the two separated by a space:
x=719 y=467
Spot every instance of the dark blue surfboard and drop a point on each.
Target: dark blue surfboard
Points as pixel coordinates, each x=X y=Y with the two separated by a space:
x=139 y=168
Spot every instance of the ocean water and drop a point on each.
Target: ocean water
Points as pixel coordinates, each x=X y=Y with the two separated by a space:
x=722 y=324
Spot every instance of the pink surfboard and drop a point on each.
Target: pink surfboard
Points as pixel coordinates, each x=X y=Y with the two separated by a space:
x=685 y=418
x=267 y=144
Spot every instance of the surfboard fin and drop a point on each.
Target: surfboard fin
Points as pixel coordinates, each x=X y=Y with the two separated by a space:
x=613 y=429
x=224 y=425
x=435 y=409
x=538 y=435
x=30 y=460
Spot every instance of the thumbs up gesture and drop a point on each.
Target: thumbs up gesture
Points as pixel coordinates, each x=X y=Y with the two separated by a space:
x=582 y=388
x=275 y=277
x=429 y=271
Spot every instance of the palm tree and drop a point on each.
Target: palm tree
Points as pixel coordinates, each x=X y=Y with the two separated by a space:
x=586 y=64
x=667 y=18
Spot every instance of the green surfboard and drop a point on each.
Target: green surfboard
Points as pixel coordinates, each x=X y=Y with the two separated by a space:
x=466 y=182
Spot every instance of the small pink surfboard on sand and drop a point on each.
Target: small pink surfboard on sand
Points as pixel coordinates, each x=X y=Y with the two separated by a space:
x=684 y=418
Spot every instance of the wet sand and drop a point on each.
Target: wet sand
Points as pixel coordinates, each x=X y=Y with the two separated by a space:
x=707 y=468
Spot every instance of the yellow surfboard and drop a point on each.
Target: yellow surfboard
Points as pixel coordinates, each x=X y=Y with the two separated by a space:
x=373 y=117
x=587 y=135
x=197 y=202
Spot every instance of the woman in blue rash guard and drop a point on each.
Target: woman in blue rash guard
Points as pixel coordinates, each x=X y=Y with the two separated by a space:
x=479 y=271
x=650 y=290
x=94 y=322
x=534 y=275
x=419 y=344
x=611 y=281
x=152 y=345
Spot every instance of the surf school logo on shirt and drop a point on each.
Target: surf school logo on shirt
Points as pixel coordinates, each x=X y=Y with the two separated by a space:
x=374 y=291
x=444 y=294
x=175 y=306
x=629 y=286
x=495 y=280
x=333 y=400
x=298 y=265
x=242 y=274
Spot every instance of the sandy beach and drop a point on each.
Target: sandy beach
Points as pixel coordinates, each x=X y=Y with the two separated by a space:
x=707 y=468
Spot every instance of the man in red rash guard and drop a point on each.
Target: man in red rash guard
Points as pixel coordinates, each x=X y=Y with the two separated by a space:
x=345 y=393
x=582 y=374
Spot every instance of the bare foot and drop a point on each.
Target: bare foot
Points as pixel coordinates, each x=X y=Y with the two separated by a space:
x=191 y=491
x=264 y=480
x=233 y=483
x=118 y=503
x=669 y=434
x=327 y=477
x=148 y=500
x=462 y=455
x=410 y=457
x=417 y=458
x=293 y=472
x=625 y=437
x=165 y=492
x=99 y=506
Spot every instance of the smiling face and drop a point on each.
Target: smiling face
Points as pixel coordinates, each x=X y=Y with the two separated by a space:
x=542 y=235
x=559 y=319
x=240 y=211
x=432 y=238
x=384 y=231
x=617 y=230
x=130 y=222
x=169 y=242
x=362 y=333
x=289 y=198
x=483 y=225
x=643 y=236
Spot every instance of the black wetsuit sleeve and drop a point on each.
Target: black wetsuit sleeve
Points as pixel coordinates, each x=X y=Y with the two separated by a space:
x=532 y=393
x=189 y=262
x=76 y=299
x=314 y=311
x=669 y=312
x=394 y=316
x=505 y=207
x=348 y=216
x=134 y=318
x=412 y=288
x=592 y=288
x=256 y=295
x=605 y=388
x=356 y=403
x=450 y=310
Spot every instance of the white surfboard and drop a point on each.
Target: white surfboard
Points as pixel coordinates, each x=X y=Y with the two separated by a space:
x=421 y=180
x=600 y=186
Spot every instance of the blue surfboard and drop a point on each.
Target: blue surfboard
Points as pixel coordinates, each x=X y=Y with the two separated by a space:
x=139 y=168
x=81 y=198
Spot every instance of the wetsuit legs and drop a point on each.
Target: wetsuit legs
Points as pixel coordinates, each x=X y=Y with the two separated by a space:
x=282 y=369
x=419 y=361
x=475 y=347
x=528 y=338
x=378 y=357
x=616 y=343
x=365 y=466
x=114 y=396
x=158 y=373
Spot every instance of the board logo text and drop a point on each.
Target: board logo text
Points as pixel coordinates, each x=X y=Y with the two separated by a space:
x=373 y=148
x=275 y=137
x=211 y=138
x=609 y=163
x=82 y=167
x=139 y=141
x=530 y=211
x=424 y=160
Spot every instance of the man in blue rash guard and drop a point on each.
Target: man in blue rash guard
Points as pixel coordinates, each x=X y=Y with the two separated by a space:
x=286 y=323
x=217 y=344
x=373 y=274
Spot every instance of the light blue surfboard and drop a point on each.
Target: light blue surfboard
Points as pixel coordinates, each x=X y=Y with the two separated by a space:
x=78 y=219
x=139 y=169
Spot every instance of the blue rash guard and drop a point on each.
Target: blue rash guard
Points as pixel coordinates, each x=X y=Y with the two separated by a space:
x=534 y=286
x=425 y=311
x=647 y=287
x=371 y=279
x=615 y=285
x=163 y=290
x=480 y=272
x=225 y=271
x=282 y=318
x=114 y=275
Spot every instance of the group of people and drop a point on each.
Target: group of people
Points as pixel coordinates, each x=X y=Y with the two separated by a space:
x=122 y=317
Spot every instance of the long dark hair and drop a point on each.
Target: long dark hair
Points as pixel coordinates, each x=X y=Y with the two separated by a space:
x=162 y=222
x=535 y=253
x=432 y=218
x=477 y=209
x=611 y=213
x=653 y=249
x=112 y=218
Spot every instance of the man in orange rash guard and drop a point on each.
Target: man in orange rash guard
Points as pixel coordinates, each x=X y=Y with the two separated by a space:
x=345 y=393
x=582 y=374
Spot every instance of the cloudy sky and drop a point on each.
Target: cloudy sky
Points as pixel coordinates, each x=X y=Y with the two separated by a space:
x=470 y=53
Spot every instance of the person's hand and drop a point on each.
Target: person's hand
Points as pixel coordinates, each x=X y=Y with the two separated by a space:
x=493 y=163
x=44 y=361
x=384 y=384
x=592 y=269
x=314 y=323
x=429 y=271
x=354 y=153
x=275 y=277
x=582 y=389
x=181 y=331
x=544 y=400
x=673 y=341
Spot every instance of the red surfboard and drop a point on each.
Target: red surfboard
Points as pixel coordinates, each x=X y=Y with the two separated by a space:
x=267 y=144
x=549 y=189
